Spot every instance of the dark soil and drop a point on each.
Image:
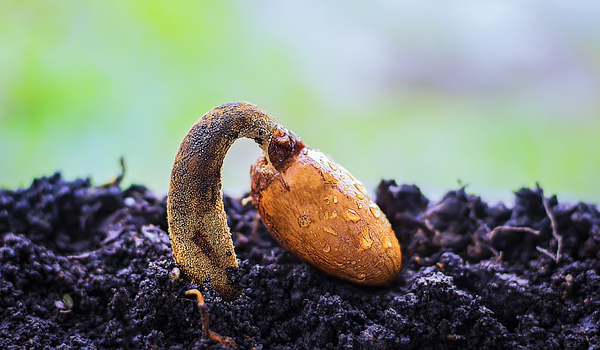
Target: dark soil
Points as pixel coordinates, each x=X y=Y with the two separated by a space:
x=85 y=266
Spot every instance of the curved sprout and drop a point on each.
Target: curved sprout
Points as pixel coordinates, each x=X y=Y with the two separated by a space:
x=200 y=238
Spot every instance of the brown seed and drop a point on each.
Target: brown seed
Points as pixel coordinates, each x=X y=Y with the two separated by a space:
x=360 y=233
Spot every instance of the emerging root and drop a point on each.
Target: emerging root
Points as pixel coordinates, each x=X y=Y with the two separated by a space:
x=205 y=321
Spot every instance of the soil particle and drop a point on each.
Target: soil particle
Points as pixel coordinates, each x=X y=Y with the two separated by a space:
x=85 y=266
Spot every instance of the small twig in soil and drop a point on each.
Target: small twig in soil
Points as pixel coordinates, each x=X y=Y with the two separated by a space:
x=119 y=178
x=559 y=239
x=507 y=229
x=547 y=252
x=500 y=229
x=494 y=251
x=205 y=321
x=80 y=256
x=84 y=255
x=122 y=174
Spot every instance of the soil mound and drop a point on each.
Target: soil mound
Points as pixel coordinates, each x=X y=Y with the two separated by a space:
x=91 y=266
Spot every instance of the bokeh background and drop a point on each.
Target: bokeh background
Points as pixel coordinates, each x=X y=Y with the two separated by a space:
x=493 y=94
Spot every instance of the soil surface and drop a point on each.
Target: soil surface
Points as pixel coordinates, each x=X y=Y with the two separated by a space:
x=85 y=266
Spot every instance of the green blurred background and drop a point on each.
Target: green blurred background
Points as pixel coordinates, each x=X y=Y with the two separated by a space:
x=493 y=94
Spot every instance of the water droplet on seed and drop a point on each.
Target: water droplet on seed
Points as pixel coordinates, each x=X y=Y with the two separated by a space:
x=366 y=240
x=334 y=214
x=352 y=215
x=330 y=230
x=360 y=187
x=335 y=199
x=387 y=243
x=329 y=177
x=375 y=210
x=326 y=248
x=304 y=221
x=326 y=198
